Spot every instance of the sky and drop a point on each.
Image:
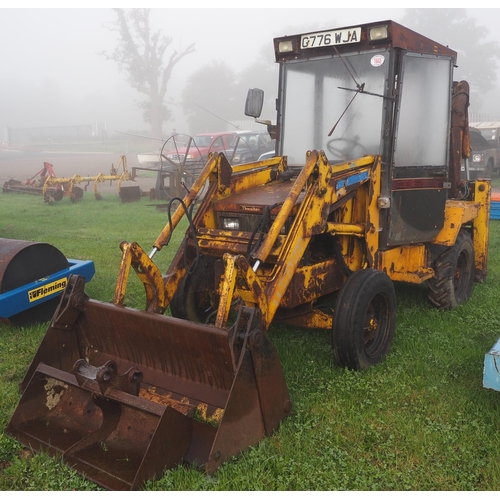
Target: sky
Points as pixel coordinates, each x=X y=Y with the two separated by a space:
x=54 y=52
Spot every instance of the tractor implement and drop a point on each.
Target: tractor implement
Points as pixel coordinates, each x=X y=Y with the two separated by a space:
x=32 y=277
x=53 y=188
x=130 y=193
x=36 y=185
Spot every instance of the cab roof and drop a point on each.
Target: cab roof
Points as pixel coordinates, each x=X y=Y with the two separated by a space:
x=397 y=36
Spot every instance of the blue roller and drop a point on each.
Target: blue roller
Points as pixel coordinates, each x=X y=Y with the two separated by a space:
x=32 y=277
x=491 y=372
x=37 y=292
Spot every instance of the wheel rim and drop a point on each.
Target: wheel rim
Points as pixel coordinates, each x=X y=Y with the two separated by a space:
x=203 y=305
x=376 y=325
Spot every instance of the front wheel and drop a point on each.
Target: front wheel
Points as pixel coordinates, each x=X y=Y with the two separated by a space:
x=196 y=298
x=365 y=320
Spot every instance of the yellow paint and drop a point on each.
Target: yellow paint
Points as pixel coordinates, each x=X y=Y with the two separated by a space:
x=405 y=263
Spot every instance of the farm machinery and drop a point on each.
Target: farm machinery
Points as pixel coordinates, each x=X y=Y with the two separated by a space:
x=32 y=278
x=36 y=185
x=54 y=188
x=364 y=191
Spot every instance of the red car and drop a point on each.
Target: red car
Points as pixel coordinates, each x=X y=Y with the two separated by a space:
x=185 y=150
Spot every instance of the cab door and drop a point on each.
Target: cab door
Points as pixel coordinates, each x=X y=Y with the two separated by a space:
x=419 y=169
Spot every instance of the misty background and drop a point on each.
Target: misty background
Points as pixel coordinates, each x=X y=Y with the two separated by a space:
x=55 y=75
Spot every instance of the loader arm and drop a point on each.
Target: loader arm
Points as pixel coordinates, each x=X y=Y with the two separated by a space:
x=326 y=188
x=217 y=166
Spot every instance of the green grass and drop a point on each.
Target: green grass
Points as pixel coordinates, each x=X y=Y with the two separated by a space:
x=495 y=181
x=418 y=421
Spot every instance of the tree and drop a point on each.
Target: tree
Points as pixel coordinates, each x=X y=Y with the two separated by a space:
x=263 y=74
x=215 y=94
x=477 y=58
x=209 y=98
x=140 y=56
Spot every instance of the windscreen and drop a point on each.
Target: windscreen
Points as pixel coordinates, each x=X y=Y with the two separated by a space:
x=203 y=141
x=321 y=93
x=490 y=134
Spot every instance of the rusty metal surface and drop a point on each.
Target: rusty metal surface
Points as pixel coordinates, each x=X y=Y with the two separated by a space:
x=398 y=36
x=459 y=138
x=129 y=194
x=123 y=394
x=22 y=262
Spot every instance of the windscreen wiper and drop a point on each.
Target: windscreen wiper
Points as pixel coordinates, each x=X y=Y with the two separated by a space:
x=361 y=90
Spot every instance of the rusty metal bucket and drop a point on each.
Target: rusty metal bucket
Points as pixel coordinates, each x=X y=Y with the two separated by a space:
x=123 y=394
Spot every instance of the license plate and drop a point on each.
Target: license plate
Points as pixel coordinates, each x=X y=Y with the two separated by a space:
x=328 y=38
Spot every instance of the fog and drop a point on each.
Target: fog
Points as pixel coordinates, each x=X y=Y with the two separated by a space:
x=52 y=73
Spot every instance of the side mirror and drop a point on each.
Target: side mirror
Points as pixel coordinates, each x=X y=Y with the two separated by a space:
x=254 y=102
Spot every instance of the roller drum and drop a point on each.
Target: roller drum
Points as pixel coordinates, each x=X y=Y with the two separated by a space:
x=22 y=262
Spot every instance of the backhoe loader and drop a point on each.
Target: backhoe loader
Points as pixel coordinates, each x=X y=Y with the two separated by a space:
x=364 y=191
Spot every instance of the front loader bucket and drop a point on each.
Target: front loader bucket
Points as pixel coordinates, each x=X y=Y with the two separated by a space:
x=123 y=394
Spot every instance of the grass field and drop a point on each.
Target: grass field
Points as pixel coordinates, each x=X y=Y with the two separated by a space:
x=419 y=421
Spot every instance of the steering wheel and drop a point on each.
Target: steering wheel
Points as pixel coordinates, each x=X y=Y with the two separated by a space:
x=344 y=148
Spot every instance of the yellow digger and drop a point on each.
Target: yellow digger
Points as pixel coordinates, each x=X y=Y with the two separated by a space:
x=364 y=190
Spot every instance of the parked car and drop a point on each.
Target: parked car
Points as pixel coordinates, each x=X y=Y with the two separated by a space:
x=198 y=147
x=267 y=155
x=491 y=132
x=185 y=151
x=238 y=146
x=250 y=146
x=482 y=156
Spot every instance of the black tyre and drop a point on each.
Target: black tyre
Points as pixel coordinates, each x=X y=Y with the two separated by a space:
x=58 y=194
x=454 y=278
x=76 y=193
x=365 y=320
x=196 y=299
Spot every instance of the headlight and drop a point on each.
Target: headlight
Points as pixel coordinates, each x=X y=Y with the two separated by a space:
x=231 y=223
x=378 y=33
x=285 y=46
x=477 y=158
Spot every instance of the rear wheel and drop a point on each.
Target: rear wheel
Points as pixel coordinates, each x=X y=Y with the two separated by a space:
x=365 y=320
x=454 y=274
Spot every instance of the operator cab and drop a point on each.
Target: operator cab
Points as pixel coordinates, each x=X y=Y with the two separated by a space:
x=373 y=89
